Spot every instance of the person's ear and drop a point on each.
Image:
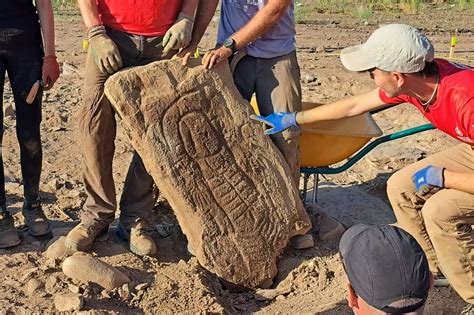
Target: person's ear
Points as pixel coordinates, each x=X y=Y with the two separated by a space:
x=352 y=297
x=399 y=78
x=431 y=281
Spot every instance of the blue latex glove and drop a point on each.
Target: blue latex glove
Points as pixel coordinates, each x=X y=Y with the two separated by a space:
x=280 y=121
x=427 y=178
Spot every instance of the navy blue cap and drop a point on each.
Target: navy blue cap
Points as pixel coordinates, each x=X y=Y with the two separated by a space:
x=384 y=265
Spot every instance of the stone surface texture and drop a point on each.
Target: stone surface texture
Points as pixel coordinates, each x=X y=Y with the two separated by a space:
x=227 y=183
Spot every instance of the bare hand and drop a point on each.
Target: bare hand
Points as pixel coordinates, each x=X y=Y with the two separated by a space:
x=50 y=71
x=186 y=53
x=215 y=56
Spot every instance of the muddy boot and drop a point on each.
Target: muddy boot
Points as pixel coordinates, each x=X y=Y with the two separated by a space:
x=35 y=219
x=82 y=236
x=139 y=240
x=8 y=234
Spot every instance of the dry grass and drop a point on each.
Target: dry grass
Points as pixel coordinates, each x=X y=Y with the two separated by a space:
x=365 y=9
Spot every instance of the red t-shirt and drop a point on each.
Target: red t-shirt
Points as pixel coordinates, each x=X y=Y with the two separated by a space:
x=453 y=111
x=141 y=17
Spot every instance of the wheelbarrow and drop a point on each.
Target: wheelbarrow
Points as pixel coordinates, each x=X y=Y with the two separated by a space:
x=325 y=143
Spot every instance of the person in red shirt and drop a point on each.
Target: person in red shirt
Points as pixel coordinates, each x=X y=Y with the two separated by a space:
x=123 y=33
x=433 y=199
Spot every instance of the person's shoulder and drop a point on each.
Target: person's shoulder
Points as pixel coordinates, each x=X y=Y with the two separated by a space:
x=448 y=67
x=456 y=76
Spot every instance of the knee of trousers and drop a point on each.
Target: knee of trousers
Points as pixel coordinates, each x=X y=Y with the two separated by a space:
x=399 y=183
x=440 y=209
x=30 y=140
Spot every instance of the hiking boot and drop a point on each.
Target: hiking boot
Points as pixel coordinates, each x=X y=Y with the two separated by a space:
x=82 y=236
x=468 y=310
x=35 y=219
x=139 y=241
x=8 y=234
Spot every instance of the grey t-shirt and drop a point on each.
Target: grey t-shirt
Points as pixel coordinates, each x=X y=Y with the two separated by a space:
x=277 y=41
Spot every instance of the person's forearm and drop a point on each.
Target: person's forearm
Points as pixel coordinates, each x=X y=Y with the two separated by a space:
x=348 y=107
x=45 y=13
x=261 y=22
x=89 y=12
x=460 y=181
x=204 y=14
x=189 y=7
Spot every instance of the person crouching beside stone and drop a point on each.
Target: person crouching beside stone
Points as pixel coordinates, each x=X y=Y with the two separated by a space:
x=433 y=199
x=387 y=270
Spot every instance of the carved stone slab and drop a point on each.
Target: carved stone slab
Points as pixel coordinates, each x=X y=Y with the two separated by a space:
x=227 y=183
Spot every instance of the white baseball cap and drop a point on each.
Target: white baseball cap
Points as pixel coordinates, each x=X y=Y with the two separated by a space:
x=393 y=47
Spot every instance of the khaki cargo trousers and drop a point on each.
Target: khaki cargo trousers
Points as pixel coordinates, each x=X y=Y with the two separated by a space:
x=98 y=128
x=276 y=84
x=442 y=222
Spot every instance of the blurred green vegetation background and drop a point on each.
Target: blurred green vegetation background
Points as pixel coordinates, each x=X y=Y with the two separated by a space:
x=306 y=10
x=365 y=9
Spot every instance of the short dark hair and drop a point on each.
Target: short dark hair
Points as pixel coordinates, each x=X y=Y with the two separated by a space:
x=406 y=303
x=430 y=69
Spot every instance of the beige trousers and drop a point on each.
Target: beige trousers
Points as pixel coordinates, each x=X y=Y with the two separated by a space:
x=276 y=84
x=441 y=222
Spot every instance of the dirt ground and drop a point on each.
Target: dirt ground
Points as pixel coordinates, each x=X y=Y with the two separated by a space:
x=309 y=281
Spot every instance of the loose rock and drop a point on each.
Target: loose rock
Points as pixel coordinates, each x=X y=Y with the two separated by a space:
x=51 y=283
x=74 y=288
x=307 y=78
x=89 y=269
x=105 y=294
x=57 y=250
x=141 y=286
x=33 y=286
x=68 y=302
x=270 y=294
x=124 y=292
x=8 y=110
x=29 y=274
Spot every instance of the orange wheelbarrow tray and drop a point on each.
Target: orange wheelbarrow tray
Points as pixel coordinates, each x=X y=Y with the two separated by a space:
x=330 y=142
